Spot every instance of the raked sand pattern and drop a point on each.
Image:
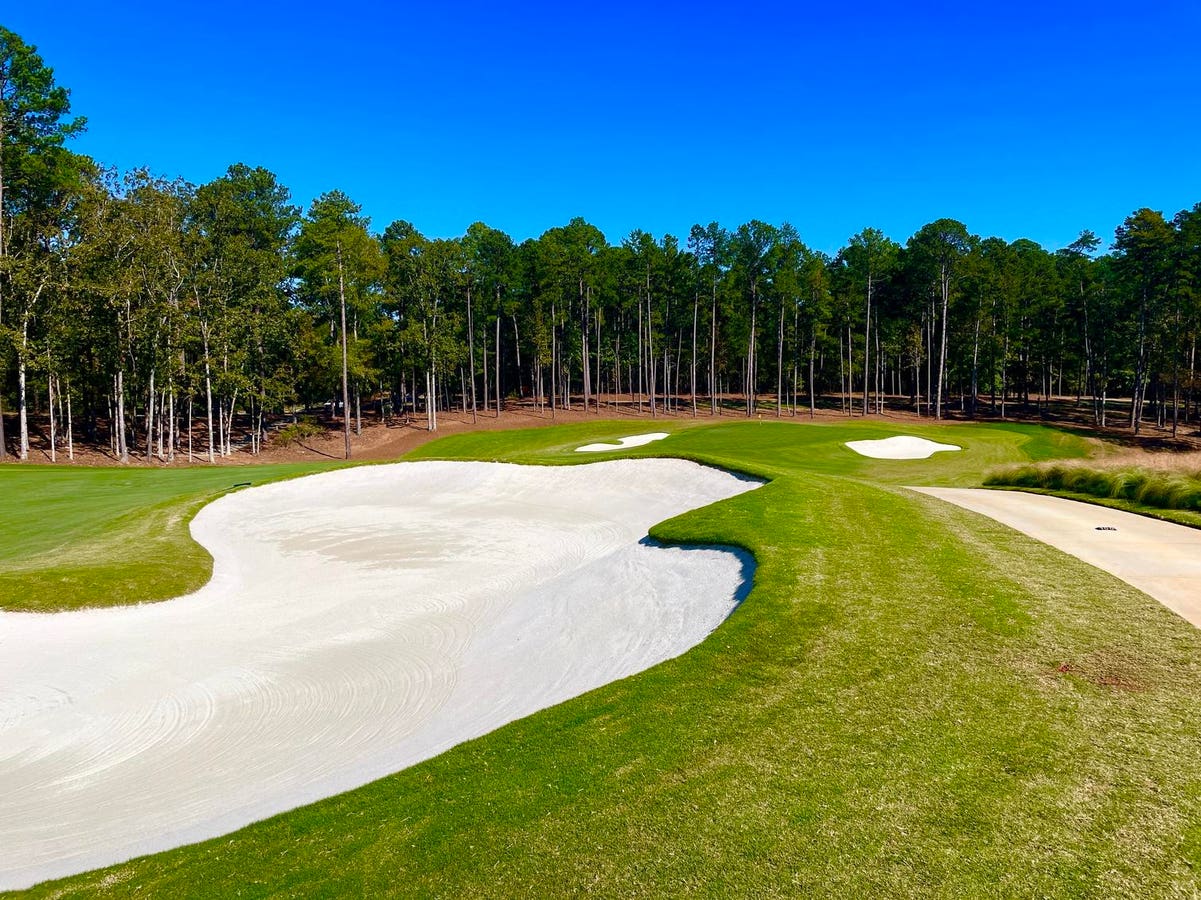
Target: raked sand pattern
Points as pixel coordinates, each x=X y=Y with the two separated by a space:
x=357 y=622
x=903 y=446
x=635 y=440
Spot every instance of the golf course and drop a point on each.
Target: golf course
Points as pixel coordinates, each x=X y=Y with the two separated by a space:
x=912 y=699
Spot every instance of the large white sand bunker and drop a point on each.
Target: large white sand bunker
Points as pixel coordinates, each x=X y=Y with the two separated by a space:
x=1161 y=559
x=357 y=622
x=634 y=440
x=903 y=446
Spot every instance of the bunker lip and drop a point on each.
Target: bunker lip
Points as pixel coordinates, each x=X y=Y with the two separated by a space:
x=1161 y=559
x=902 y=446
x=634 y=440
x=357 y=622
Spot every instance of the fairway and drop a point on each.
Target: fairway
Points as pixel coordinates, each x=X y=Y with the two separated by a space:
x=912 y=700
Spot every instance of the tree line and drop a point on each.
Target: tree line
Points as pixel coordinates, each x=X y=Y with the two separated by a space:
x=169 y=318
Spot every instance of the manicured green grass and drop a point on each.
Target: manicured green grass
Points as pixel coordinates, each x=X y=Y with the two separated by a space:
x=81 y=537
x=913 y=701
x=775 y=448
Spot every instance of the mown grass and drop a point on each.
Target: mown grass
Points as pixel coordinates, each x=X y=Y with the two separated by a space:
x=85 y=537
x=1135 y=488
x=913 y=701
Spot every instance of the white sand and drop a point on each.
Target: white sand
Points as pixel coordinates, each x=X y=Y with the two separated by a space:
x=357 y=622
x=636 y=440
x=903 y=446
x=1159 y=558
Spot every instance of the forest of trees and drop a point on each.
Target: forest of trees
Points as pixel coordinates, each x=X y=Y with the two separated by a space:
x=164 y=318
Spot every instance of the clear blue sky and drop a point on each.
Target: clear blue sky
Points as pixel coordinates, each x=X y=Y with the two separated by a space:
x=1021 y=119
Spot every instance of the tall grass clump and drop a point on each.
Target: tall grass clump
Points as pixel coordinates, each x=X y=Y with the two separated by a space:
x=1158 y=488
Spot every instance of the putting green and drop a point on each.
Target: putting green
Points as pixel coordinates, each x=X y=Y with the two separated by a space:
x=913 y=700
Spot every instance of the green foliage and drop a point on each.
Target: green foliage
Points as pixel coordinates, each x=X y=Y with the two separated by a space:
x=1139 y=486
x=32 y=114
x=297 y=432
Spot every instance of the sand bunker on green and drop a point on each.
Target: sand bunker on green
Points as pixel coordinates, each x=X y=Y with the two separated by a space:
x=903 y=446
x=635 y=440
x=357 y=622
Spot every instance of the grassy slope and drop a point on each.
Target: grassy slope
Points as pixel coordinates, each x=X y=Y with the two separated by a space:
x=913 y=700
x=76 y=537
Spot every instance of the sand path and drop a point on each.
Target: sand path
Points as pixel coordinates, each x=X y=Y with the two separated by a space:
x=357 y=622
x=1159 y=558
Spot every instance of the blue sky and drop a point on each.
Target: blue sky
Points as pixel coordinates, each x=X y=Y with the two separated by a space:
x=1020 y=119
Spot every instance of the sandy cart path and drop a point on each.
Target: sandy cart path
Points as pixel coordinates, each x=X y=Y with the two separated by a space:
x=357 y=622
x=1161 y=559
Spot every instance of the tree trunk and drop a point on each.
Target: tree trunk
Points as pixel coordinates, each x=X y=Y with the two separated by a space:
x=70 y=427
x=641 y=356
x=1004 y=372
x=713 y=352
x=471 y=352
x=517 y=352
x=942 y=353
x=650 y=343
x=750 y=361
x=208 y=397
x=692 y=358
x=780 y=365
x=812 y=361
x=23 y=413
x=150 y=418
x=345 y=384
x=842 y=373
x=585 y=373
x=881 y=374
x=122 y=448
x=867 y=331
x=975 y=367
x=50 y=400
